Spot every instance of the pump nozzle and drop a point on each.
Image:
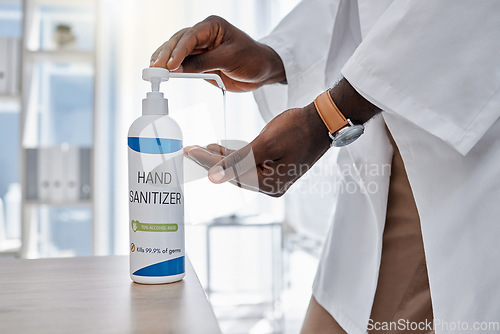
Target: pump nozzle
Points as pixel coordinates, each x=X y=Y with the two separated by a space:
x=156 y=75
x=154 y=103
x=205 y=76
x=155 y=84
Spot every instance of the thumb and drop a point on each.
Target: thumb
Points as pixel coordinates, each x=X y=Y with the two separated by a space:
x=233 y=166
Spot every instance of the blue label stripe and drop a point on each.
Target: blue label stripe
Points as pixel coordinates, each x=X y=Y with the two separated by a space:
x=165 y=268
x=154 y=145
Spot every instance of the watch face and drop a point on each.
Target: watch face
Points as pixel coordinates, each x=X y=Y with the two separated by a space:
x=347 y=135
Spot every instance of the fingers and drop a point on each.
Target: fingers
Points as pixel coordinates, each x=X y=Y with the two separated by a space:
x=235 y=164
x=208 y=157
x=258 y=166
x=243 y=160
x=218 y=149
x=205 y=35
x=268 y=177
x=239 y=168
x=199 y=39
x=202 y=156
x=162 y=55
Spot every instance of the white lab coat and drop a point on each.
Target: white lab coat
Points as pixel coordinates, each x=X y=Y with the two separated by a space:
x=434 y=68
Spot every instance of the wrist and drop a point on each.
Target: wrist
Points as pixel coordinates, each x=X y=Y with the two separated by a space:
x=275 y=70
x=351 y=104
x=317 y=128
x=344 y=111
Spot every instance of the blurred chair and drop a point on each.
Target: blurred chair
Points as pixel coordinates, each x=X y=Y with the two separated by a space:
x=273 y=304
x=2 y=222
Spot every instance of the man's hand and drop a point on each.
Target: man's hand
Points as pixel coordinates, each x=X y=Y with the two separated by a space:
x=285 y=149
x=216 y=46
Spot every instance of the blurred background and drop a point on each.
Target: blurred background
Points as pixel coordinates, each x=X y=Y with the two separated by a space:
x=70 y=86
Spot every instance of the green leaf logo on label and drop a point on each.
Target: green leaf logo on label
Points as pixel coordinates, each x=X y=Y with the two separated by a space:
x=135 y=224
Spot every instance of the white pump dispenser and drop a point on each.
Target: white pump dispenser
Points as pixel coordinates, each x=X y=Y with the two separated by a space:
x=155 y=103
x=156 y=194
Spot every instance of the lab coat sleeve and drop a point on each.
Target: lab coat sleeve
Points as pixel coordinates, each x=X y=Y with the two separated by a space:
x=435 y=63
x=302 y=40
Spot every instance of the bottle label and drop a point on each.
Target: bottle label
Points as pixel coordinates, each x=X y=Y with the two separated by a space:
x=156 y=203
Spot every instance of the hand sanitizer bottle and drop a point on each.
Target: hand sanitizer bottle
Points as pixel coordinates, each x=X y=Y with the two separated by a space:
x=156 y=197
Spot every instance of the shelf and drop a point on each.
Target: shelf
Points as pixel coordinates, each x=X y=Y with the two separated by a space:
x=42 y=60
x=9 y=103
x=64 y=3
x=61 y=56
x=10 y=246
x=4 y=98
x=11 y=2
x=59 y=204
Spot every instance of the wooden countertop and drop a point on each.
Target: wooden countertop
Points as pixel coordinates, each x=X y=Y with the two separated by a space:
x=96 y=295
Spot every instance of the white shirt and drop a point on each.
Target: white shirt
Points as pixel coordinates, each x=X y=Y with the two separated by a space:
x=434 y=68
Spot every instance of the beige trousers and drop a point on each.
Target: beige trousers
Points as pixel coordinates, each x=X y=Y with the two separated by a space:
x=403 y=287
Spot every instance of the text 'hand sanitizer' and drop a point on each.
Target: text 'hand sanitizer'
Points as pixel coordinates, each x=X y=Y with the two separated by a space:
x=156 y=194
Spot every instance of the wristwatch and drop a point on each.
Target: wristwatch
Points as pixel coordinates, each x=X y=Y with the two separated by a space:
x=340 y=129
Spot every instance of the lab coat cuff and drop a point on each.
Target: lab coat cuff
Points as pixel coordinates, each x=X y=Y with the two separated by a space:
x=274 y=99
x=388 y=98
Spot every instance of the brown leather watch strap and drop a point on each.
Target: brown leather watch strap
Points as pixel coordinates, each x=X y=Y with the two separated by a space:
x=329 y=112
